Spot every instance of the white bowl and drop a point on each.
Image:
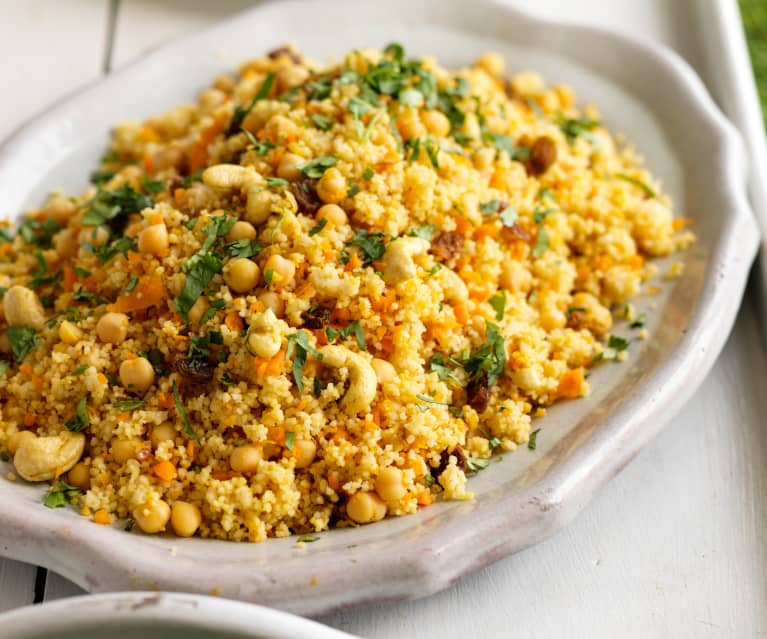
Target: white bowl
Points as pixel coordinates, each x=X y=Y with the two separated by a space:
x=154 y=615
x=644 y=90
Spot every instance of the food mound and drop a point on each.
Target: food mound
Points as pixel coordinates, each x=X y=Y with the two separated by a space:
x=319 y=295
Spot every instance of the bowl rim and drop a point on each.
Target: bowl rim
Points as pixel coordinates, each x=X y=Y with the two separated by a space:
x=537 y=511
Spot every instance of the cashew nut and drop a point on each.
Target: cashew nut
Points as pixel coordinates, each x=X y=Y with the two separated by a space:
x=43 y=458
x=23 y=307
x=398 y=262
x=362 y=377
x=265 y=334
x=233 y=176
x=452 y=285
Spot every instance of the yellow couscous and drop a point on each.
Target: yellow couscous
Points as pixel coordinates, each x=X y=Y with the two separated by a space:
x=319 y=296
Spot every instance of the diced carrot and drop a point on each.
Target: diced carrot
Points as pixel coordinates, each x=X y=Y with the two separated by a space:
x=28 y=420
x=260 y=364
x=486 y=230
x=340 y=314
x=26 y=369
x=190 y=448
x=462 y=225
x=354 y=262
x=302 y=404
x=164 y=400
x=424 y=497
x=102 y=517
x=603 y=263
x=147 y=161
x=38 y=381
x=164 y=470
x=130 y=356
x=148 y=292
x=69 y=278
x=223 y=475
x=277 y=435
x=635 y=261
x=102 y=379
x=340 y=434
x=233 y=322
x=333 y=481
x=571 y=385
x=461 y=313
x=583 y=271
x=179 y=193
x=148 y=134
x=276 y=364
x=156 y=218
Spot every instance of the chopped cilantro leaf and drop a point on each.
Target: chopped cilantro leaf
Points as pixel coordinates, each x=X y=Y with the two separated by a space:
x=23 y=341
x=298 y=348
x=241 y=113
x=541 y=242
x=532 y=441
x=290 y=440
x=574 y=309
x=244 y=248
x=183 y=415
x=60 y=494
x=636 y=182
x=308 y=539
x=489 y=208
x=425 y=232
x=509 y=216
x=370 y=243
x=498 y=302
x=639 y=322
x=475 y=464
x=81 y=419
x=444 y=372
x=573 y=128
x=318 y=227
x=4 y=366
x=79 y=370
x=108 y=205
x=505 y=143
x=276 y=183
x=368 y=174
x=322 y=122
x=131 y=284
x=128 y=405
x=316 y=168
x=353 y=190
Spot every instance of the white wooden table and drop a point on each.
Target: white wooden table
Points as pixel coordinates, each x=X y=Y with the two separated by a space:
x=674 y=547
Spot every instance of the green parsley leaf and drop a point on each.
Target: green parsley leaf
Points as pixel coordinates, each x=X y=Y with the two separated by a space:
x=23 y=341
x=490 y=208
x=532 y=441
x=81 y=419
x=109 y=205
x=573 y=128
x=298 y=348
x=505 y=143
x=428 y=479
x=545 y=193
x=541 y=214
x=4 y=366
x=368 y=174
x=410 y=97
x=240 y=114
x=425 y=232
x=81 y=295
x=433 y=152
x=541 y=242
x=79 y=370
x=101 y=176
x=475 y=464
x=128 y=405
x=322 y=122
x=290 y=440
x=152 y=186
x=498 y=302
x=490 y=358
x=353 y=190
x=455 y=411
x=39 y=233
x=318 y=227
x=108 y=251
x=188 y=180
x=244 y=248
x=131 y=284
x=60 y=494
x=129 y=525
x=639 y=322
x=646 y=189
x=268 y=276
x=615 y=345
x=438 y=365
x=370 y=243
x=316 y=168
x=308 y=539
x=199 y=273
x=276 y=183
x=188 y=430
x=509 y=216
x=261 y=147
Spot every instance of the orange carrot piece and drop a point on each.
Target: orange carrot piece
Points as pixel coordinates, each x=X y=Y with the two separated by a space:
x=277 y=435
x=571 y=385
x=102 y=517
x=148 y=292
x=233 y=322
x=164 y=470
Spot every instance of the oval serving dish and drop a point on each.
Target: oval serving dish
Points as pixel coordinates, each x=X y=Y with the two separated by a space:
x=644 y=91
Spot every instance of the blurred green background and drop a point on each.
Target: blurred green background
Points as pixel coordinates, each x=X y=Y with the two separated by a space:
x=755 y=21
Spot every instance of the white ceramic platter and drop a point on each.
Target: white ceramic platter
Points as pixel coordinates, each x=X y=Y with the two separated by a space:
x=644 y=91
x=154 y=615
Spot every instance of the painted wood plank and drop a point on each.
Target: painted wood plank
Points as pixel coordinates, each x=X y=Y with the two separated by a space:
x=49 y=49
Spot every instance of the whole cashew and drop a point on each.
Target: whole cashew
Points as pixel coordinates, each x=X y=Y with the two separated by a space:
x=265 y=334
x=233 y=176
x=398 y=264
x=362 y=377
x=43 y=458
x=453 y=286
x=23 y=307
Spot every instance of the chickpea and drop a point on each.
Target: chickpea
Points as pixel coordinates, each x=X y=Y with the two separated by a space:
x=164 y=432
x=241 y=231
x=409 y=126
x=124 y=449
x=241 y=274
x=69 y=333
x=95 y=236
x=304 y=452
x=80 y=476
x=332 y=186
x=245 y=459
x=437 y=123
x=283 y=270
x=185 y=518
x=66 y=243
x=288 y=169
x=17 y=439
x=60 y=209
x=280 y=127
x=333 y=213
x=153 y=240
x=270 y=299
x=137 y=374
x=152 y=516
x=492 y=63
x=112 y=328
x=198 y=309
x=365 y=508
x=390 y=485
x=260 y=206
x=384 y=370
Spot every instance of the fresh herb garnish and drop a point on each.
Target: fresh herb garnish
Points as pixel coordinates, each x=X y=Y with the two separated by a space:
x=241 y=113
x=290 y=440
x=353 y=190
x=42 y=275
x=455 y=411
x=120 y=245
x=354 y=328
x=615 y=345
x=307 y=539
x=541 y=242
x=244 y=248
x=498 y=302
x=432 y=151
x=322 y=122
x=81 y=419
x=425 y=231
x=109 y=205
x=276 y=183
x=79 y=370
x=490 y=208
x=509 y=216
x=261 y=147
x=129 y=525
x=639 y=322
x=318 y=227
x=188 y=180
x=438 y=365
x=128 y=405
x=268 y=276
x=200 y=270
x=505 y=143
x=636 y=182
x=490 y=358
x=4 y=366
x=132 y=283
x=574 y=309
x=368 y=174
x=39 y=233
x=298 y=348
x=316 y=168
x=475 y=464
x=532 y=441
x=215 y=306
x=573 y=128
x=23 y=341
x=182 y=413
x=60 y=494
x=371 y=244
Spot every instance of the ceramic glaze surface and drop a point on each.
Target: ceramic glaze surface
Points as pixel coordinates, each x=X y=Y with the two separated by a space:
x=643 y=90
